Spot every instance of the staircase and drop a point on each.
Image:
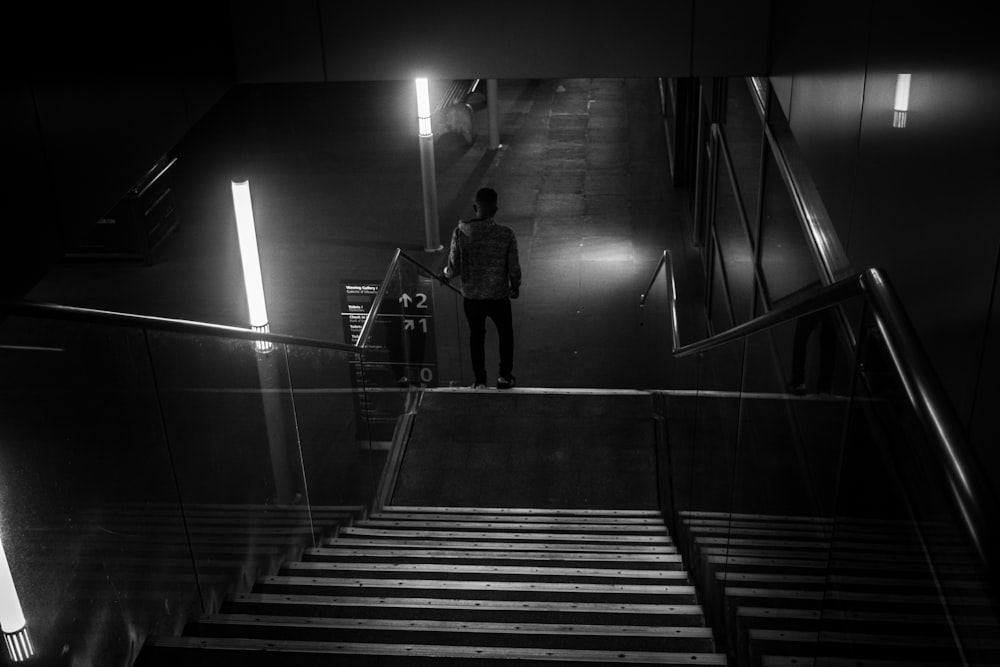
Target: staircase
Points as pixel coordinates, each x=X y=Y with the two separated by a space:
x=797 y=591
x=426 y=585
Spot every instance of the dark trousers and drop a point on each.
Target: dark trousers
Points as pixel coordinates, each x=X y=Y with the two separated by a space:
x=476 y=312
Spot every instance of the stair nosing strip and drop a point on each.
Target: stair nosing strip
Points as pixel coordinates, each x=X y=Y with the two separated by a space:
x=667 y=608
x=435 y=651
x=490 y=569
x=683 y=631
x=451 y=584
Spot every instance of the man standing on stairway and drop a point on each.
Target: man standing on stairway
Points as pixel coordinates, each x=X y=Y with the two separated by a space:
x=484 y=254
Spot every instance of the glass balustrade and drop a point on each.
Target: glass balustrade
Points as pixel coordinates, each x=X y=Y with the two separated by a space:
x=147 y=474
x=798 y=452
x=417 y=337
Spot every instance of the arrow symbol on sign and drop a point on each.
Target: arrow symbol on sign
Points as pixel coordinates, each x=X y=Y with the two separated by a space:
x=407 y=324
x=405 y=299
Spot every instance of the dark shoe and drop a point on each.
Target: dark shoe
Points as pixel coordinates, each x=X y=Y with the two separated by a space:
x=477 y=385
x=505 y=383
x=797 y=389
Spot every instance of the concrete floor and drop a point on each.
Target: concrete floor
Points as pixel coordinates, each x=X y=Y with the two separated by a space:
x=583 y=180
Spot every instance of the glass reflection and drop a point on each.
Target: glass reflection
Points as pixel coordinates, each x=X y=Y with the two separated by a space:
x=744 y=133
x=787 y=265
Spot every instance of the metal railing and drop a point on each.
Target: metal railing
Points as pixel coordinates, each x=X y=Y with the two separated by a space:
x=391 y=270
x=112 y=318
x=973 y=497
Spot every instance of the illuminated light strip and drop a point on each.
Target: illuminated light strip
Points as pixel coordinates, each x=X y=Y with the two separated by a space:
x=19 y=646
x=12 y=622
x=902 y=102
x=252 y=279
x=423 y=108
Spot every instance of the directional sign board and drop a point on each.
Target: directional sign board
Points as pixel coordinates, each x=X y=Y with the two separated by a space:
x=400 y=351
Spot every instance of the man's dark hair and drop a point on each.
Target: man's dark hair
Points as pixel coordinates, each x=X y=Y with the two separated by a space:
x=486 y=196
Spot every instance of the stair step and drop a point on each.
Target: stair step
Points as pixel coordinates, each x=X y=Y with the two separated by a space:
x=199 y=651
x=517 y=526
x=425 y=585
x=884 y=646
x=529 y=511
x=766 y=618
x=482 y=588
x=652 y=560
x=495 y=572
x=827 y=661
x=617 y=546
x=419 y=631
x=486 y=517
x=749 y=559
x=581 y=611
x=501 y=536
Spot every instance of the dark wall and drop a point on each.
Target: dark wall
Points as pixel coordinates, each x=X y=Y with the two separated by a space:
x=100 y=92
x=914 y=201
x=96 y=95
x=323 y=40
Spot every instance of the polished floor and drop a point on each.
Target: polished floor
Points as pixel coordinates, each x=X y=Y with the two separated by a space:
x=582 y=175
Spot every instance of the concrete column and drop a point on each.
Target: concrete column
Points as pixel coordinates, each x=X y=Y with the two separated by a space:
x=432 y=242
x=492 y=107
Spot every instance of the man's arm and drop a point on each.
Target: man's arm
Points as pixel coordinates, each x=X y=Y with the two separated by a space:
x=454 y=266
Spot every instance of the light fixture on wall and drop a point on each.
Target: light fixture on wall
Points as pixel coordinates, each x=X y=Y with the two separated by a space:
x=15 y=628
x=423 y=108
x=902 y=102
x=432 y=238
x=252 y=280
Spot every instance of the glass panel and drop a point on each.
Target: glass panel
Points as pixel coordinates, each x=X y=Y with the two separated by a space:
x=339 y=464
x=655 y=336
x=744 y=133
x=786 y=262
x=719 y=316
x=418 y=339
x=89 y=513
x=734 y=246
x=703 y=167
x=233 y=436
x=794 y=406
x=899 y=545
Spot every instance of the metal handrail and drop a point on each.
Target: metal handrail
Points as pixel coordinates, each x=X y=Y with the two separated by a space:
x=112 y=318
x=377 y=302
x=970 y=489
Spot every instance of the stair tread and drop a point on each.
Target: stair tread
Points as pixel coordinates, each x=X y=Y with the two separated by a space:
x=665 y=558
x=555 y=547
x=597 y=519
x=908 y=640
x=440 y=651
x=518 y=526
x=866 y=616
x=480 y=585
x=461 y=626
x=301 y=568
x=502 y=535
x=507 y=511
x=664 y=608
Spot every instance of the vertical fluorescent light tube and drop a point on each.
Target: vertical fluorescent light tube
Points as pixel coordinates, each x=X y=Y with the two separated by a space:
x=15 y=628
x=251 y=260
x=902 y=102
x=423 y=108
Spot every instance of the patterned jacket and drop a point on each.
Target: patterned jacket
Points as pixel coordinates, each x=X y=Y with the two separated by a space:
x=484 y=254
